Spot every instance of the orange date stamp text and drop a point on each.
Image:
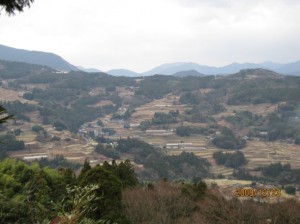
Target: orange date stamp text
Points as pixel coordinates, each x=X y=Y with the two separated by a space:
x=257 y=192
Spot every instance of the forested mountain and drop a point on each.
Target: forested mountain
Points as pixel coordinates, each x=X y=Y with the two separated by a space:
x=35 y=57
x=188 y=73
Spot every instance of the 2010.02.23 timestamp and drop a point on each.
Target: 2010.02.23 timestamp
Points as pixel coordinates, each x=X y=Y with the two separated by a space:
x=257 y=192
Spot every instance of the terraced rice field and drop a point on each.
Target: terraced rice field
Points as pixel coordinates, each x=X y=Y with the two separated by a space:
x=262 y=109
x=164 y=105
x=263 y=153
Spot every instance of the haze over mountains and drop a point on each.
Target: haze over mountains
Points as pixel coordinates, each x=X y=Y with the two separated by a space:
x=180 y=69
x=35 y=57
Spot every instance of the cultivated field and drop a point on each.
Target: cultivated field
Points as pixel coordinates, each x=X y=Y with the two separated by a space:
x=11 y=95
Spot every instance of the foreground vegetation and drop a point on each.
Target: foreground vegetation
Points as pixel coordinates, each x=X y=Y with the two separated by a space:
x=111 y=193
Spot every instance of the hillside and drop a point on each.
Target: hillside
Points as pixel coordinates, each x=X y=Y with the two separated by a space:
x=174 y=127
x=35 y=57
x=188 y=73
x=239 y=131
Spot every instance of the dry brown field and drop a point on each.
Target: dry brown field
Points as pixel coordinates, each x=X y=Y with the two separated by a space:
x=30 y=87
x=11 y=95
x=164 y=105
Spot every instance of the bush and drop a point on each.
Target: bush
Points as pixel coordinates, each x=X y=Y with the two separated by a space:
x=59 y=125
x=28 y=96
x=290 y=190
x=107 y=151
x=233 y=160
x=55 y=138
x=37 y=128
x=227 y=140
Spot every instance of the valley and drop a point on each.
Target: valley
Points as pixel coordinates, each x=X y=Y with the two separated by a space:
x=75 y=115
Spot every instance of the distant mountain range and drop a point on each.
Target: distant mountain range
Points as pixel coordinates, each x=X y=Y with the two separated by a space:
x=35 y=57
x=123 y=72
x=89 y=70
x=180 y=69
x=186 y=67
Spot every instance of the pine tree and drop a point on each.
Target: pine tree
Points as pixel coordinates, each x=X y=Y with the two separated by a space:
x=10 y=6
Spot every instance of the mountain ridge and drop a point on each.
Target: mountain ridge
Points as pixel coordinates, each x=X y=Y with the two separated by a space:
x=123 y=72
x=35 y=57
x=57 y=62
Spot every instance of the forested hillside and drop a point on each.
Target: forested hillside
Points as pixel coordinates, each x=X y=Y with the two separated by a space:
x=84 y=144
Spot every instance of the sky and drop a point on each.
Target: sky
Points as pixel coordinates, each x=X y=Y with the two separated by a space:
x=141 y=34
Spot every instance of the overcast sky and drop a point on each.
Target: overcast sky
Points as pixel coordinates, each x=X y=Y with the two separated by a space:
x=141 y=34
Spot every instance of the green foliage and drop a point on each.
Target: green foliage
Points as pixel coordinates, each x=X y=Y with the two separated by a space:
x=3 y=116
x=155 y=87
x=9 y=143
x=59 y=161
x=189 y=98
x=275 y=169
x=144 y=125
x=78 y=203
x=281 y=173
x=200 y=189
x=163 y=118
x=242 y=174
x=245 y=119
x=18 y=109
x=17 y=132
x=100 y=123
x=188 y=130
x=15 y=211
x=265 y=90
x=59 y=125
x=16 y=70
x=109 y=131
x=124 y=171
x=110 y=188
x=132 y=145
x=37 y=128
x=28 y=96
x=28 y=193
x=60 y=101
x=184 y=131
x=290 y=190
x=56 y=138
x=233 y=160
x=227 y=140
x=107 y=151
x=185 y=165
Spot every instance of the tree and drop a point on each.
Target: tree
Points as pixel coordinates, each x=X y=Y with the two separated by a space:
x=10 y=6
x=290 y=190
x=37 y=128
x=3 y=116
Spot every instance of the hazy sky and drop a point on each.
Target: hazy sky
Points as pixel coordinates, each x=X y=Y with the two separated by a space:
x=141 y=34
